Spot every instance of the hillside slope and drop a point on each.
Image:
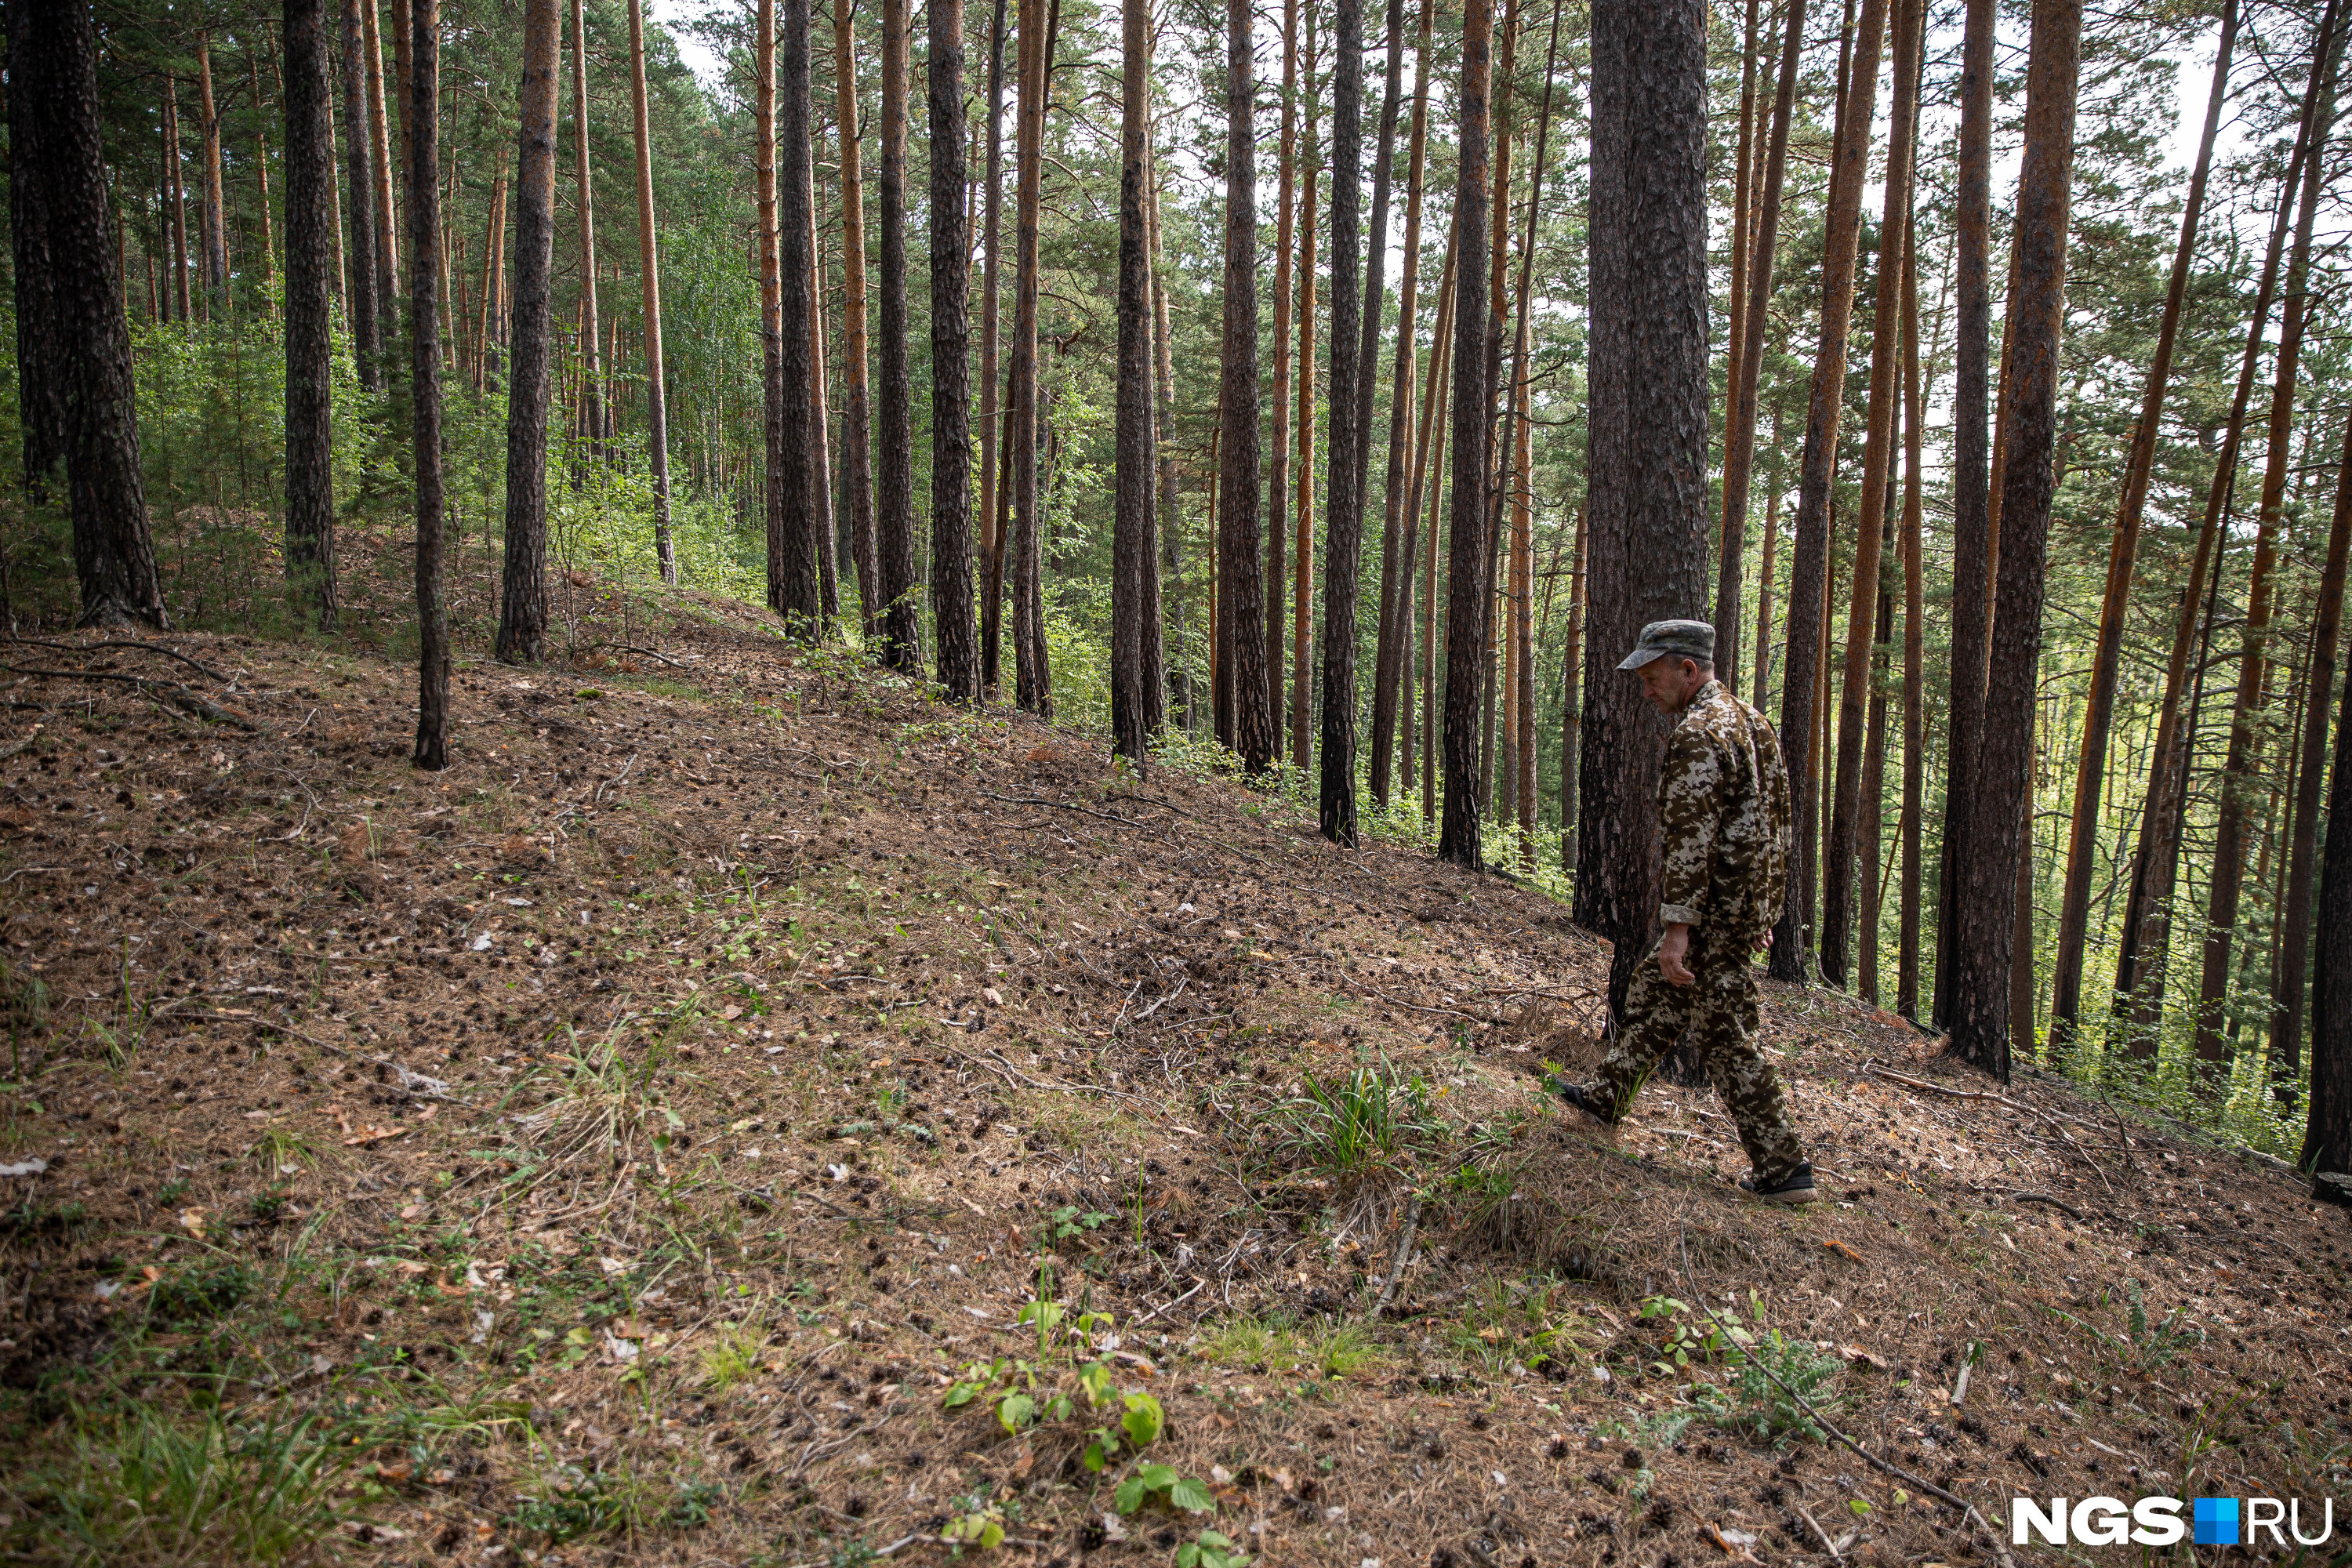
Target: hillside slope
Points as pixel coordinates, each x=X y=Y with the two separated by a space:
x=649 y=1140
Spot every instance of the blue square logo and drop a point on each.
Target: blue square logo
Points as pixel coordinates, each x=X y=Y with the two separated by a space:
x=2216 y=1520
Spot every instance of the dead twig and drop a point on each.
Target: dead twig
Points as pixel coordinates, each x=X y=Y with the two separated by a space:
x=170 y=691
x=1403 y=1256
x=2046 y=1198
x=206 y=670
x=1062 y=805
x=645 y=652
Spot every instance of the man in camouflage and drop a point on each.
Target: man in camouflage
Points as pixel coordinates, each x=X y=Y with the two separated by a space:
x=1724 y=811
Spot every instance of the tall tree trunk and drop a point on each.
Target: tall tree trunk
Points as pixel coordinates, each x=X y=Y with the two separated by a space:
x=958 y=659
x=992 y=488
x=1972 y=489
x=1301 y=623
x=591 y=376
x=2239 y=767
x=2295 y=915
x=1878 y=453
x=1174 y=680
x=178 y=199
x=1764 y=593
x=1914 y=644
x=1132 y=483
x=486 y=331
x=1467 y=581
x=388 y=228
x=795 y=481
x=1743 y=223
x=1523 y=556
x=53 y=111
x=821 y=525
x=1427 y=480
x=1287 y=275
x=261 y=172
x=1241 y=664
x=216 y=204
x=1987 y=877
x=368 y=347
x=1747 y=371
x=45 y=409
x=1376 y=250
x=523 y=615
x=894 y=521
x=771 y=362
x=1033 y=685
x=310 y=311
x=1571 y=701
x=1809 y=573
x=424 y=114
x=1344 y=541
x=2098 y=709
x=1391 y=655
x=856 y=444
x=649 y=269
x=2327 y=1126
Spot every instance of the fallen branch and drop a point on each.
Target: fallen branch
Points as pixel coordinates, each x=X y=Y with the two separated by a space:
x=1417 y=1007
x=598 y=797
x=1198 y=1285
x=170 y=691
x=2046 y=1198
x=206 y=670
x=645 y=652
x=1967 y=1509
x=1063 y=804
x=2000 y=1099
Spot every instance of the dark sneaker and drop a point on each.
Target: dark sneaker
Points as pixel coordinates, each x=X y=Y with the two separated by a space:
x=1796 y=1188
x=1576 y=1094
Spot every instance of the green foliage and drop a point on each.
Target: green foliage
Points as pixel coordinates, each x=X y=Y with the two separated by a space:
x=1066 y=1375
x=150 y=1485
x=1210 y=1548
x=1531 y=1322
x=1148 y=1484
x=1765 y=1374
x=1363 y=1123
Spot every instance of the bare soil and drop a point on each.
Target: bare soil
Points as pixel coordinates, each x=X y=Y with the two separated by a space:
x=623 y=1140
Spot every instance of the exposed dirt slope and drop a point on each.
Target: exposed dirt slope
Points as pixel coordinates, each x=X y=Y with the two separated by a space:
x=622 y=1142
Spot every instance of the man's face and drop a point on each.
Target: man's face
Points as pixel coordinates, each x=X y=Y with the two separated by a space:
x=1670 y=683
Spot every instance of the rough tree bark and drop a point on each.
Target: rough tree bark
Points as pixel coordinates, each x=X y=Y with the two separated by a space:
x=1301 y=622
x=1988 y=878
x=358 y=309
x=894 y=479
x=1809 y=573
x=771 y=364
x=1241 y=596
x=992 y=599
x=2098 y=708
x=387 y=225
x=43 y=410
x=796 y=593
x=1648 y=547
x=1032 y=681
x=1914 y=645
x=215 y=204
x=522 y=614
x=1131 y=544
x=53 y=105
x=424 y=112
x=310 y=311
x=959 y=658
x=1344 y=538
x=856 y=405
x=1466 y=576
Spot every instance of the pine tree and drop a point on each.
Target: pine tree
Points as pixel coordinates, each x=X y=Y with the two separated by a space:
x=522 y=616
x=951 y=595
x=310 y=311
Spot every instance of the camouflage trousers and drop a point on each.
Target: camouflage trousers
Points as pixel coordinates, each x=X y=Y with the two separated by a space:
x=1719 y=1011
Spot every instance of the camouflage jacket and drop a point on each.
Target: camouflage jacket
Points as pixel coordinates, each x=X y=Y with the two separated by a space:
x=1724 y=810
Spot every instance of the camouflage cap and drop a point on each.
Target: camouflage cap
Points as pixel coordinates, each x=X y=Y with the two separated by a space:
x=1677 y=639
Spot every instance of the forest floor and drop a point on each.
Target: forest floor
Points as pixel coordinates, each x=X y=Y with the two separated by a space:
x=651 y=1139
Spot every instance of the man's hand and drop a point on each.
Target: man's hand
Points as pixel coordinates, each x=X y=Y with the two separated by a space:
x=1672 y=948
x=1761 y=942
